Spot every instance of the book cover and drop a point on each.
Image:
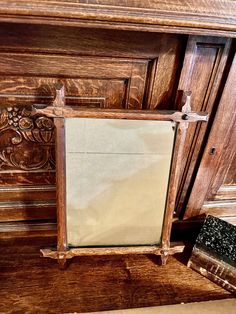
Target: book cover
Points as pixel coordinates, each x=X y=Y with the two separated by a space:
x=214 y=254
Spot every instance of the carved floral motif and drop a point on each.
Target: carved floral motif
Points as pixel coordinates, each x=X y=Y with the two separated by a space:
x=26 y=143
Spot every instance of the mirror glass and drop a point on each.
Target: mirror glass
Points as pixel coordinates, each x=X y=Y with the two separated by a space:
x=117 y=174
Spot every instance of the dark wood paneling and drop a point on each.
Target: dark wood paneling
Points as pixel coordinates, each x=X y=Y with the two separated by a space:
x=23 y=211
x=27 y=178
x=26 y=193
x=224 y=208
x=203 y=67
x=90 y=92
x=22 y=64
x=98 y=68
x=215 y=163
x=163 y=74
x=19 y=203
x=86 y=42
x=25 y=229
x=223 y=186
x=161 y=51
x=230 y=176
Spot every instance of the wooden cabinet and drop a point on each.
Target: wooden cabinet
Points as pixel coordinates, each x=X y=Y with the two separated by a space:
x=120 y=57
x=214 y=188
x=101 y=69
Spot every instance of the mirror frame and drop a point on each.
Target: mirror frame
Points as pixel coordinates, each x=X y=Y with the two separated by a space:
x=59 y=112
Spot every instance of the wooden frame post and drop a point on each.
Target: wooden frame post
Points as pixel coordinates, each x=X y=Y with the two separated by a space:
x=61 y=191
x=180 y=138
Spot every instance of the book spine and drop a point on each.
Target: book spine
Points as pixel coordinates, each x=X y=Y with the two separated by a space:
x=216 y=270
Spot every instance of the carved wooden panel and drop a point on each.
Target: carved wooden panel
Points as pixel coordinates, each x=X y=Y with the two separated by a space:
x=204 y=63
x=26 y=146
x=20 y=136
x=214 y=187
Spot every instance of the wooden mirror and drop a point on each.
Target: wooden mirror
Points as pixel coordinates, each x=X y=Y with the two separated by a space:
x=117 y=177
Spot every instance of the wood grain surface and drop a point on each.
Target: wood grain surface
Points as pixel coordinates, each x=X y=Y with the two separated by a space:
x=215 y=164
x=204 y=63
x=30 y=284
x=99 y=69
x=200 y=16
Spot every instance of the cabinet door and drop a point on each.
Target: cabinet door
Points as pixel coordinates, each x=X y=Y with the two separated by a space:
x=204 y=64
x=214 y=189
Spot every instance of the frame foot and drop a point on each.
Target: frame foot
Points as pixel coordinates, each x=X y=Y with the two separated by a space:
x=60 y=256
x=62 y=263
x=164 y=257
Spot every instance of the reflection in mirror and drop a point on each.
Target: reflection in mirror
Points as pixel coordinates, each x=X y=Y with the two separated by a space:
x=117 y=175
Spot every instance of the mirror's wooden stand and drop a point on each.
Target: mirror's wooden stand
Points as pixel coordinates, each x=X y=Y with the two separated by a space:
x=59 y=112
